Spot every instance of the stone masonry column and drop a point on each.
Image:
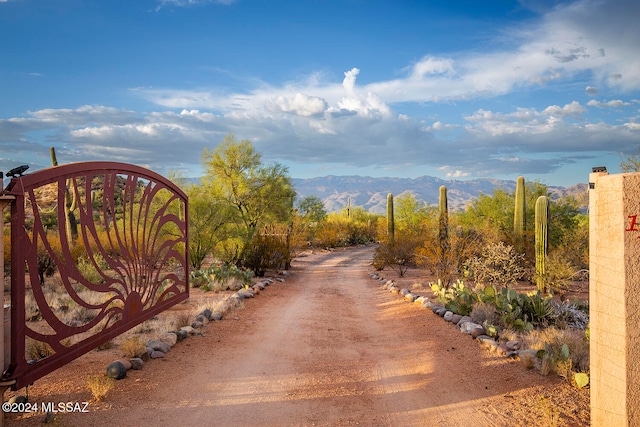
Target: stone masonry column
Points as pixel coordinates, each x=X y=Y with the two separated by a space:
x=614 y=298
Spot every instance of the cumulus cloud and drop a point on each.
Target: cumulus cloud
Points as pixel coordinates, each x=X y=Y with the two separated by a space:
x=300 y=104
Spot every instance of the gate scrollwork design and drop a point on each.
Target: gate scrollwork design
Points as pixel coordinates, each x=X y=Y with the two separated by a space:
x=117 y=236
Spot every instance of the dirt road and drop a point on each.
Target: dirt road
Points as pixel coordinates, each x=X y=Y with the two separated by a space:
x=328 y=347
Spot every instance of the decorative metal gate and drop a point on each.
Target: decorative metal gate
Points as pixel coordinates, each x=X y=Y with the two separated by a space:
x=117 y=235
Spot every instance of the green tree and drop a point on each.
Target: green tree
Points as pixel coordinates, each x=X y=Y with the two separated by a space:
x=254 y=193
x=208 y=224
x=410 y=213
x=312 y=209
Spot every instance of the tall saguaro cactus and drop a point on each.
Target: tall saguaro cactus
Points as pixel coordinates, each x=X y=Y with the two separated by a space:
x=542 y=233
x=518 y=216
x=349 y=207
x=390 y=220
x=70 y=203
x=443 y=228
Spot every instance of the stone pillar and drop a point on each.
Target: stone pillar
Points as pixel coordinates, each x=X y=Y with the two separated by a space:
x=614 y=298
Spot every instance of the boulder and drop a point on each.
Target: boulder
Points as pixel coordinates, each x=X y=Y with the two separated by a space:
x=158 y=345
x=116 y=370
x=136 y=363
x=126 y=363
x=468 y=327
x=169 y=338
x=180 y=335
x=463 y=320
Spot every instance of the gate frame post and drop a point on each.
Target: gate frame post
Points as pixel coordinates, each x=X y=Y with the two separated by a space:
x=5 y=201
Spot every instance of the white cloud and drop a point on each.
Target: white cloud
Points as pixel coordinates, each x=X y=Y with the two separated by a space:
x=300 y=104
x=349 y=81
x=616 y=103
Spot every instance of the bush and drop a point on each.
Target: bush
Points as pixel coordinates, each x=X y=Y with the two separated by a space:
x=558 y=273
x=133 y=347
x=399 y=255
x=463 y=243
x=100 y=385
x=221 y=277
x=499 y=265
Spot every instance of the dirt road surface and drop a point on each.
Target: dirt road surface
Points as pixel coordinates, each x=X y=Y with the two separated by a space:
x=328 y=347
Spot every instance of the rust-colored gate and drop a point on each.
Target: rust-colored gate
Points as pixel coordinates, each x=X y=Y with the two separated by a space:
x=117 y=235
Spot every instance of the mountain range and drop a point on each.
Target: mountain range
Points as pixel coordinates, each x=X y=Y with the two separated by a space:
x=371 y=193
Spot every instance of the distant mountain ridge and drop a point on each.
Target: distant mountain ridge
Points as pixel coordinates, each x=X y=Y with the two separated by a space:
x=371 y=193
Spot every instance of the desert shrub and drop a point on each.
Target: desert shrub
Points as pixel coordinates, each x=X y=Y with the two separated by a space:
x=482 y=312
x=340 y=230
x=266 y=252
x=448 y=266
x=498 y=264
x=100 y=385
x=133 y=347
x=566 y=350
x=221 y=277
x=559 y=273
x=571 y=314
x=105 y=345
x=36 y=350
x=182 y=319
x=399 y=255
x=89 y=270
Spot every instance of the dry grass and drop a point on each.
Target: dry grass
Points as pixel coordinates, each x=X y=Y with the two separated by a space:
x=132 y=347
x=36 y=350
x=100 y=385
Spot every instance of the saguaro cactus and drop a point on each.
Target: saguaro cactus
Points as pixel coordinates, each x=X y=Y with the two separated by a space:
x=349 y=207
x=518 y=216
x=390 y=221
x=542 y=233
x=443 y=229
x=70 y=203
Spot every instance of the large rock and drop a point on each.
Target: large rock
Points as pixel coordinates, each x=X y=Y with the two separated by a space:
x=169 y=338
x=468 y=327
x=116 y=370
x=158 y=346
x=136 y=363
x=464 y=319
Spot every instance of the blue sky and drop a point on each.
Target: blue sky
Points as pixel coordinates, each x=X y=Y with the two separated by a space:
x=457 y=89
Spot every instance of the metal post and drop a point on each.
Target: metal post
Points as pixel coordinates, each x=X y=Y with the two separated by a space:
x=4 y=202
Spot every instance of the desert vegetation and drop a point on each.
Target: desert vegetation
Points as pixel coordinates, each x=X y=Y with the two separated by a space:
x=509 y=260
